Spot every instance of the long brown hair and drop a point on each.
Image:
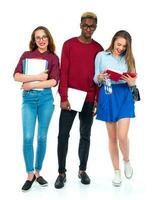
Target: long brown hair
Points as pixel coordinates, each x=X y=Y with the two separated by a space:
x=51 y=45
x=130 y=61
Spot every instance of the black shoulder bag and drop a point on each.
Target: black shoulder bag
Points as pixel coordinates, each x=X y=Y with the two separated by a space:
x=135 y=93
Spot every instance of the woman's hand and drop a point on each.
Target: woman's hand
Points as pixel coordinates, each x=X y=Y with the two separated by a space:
x=130 y=80
x=43 y=76
x=27 y=86
x=102 y=76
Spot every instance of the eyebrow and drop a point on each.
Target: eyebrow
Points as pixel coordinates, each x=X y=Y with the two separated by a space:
x=121 y=44
x=88 y=24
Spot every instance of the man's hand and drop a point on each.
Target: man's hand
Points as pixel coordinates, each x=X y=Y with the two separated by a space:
x=65 y=105
x=95 y=108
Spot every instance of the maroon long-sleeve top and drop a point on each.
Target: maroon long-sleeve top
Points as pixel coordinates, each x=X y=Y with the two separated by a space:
x=77 y=68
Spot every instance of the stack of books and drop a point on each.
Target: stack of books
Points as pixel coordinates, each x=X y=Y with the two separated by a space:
x=32 y=66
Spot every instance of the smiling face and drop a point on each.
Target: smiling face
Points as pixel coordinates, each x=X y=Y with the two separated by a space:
x=41 y=40
x=120 y=46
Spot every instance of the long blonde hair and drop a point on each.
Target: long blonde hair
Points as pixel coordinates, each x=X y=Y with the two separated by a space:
x=130 y=61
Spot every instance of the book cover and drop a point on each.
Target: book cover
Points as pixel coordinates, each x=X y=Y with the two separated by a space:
x=76 y=99
x=115 y=75
x=33 y=66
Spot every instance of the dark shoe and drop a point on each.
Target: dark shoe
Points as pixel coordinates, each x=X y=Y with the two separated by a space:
x=42 y=181
x=84 y=178
x=59 y=183
x=27 y=185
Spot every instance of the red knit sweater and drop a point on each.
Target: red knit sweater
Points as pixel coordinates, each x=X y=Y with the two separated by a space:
x=77 y=67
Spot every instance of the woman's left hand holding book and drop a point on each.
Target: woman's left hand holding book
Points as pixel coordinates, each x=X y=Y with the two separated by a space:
x=130 y=80
x=43 y=76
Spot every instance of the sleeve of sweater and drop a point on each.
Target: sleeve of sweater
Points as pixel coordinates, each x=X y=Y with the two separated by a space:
x=64 y=72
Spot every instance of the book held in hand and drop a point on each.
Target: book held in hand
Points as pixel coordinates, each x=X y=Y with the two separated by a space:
x=76 y=99
x=115 y=75
x=33 y=66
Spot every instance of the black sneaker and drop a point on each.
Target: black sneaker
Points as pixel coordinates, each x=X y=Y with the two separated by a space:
x=59 y=183
x=84 y=178
x=41 y=181
x=27 y=185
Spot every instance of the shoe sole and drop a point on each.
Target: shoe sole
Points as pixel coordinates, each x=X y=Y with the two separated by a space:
x=85 y=183
x=26 y=190
x=45 y=185
x=116 y=184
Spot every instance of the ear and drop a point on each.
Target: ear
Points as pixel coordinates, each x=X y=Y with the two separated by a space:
x=80 y=25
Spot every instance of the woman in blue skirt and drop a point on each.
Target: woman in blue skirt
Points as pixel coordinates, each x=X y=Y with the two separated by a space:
x=115 y=101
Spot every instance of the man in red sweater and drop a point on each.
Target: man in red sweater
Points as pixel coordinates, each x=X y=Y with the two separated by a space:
x=77 y=71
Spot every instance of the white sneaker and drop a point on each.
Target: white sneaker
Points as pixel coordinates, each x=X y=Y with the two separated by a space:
x=128 y=170
x=116 y=181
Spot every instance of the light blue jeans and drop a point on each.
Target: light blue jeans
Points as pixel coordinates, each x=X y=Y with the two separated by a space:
x=37 y=104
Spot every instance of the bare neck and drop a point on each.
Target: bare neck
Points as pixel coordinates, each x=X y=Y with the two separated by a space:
x=84 y=40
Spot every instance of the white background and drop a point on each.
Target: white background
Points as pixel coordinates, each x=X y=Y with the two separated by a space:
x=17 y=20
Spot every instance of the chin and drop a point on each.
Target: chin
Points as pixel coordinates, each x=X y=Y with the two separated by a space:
x=88 y=37
x=42 y=47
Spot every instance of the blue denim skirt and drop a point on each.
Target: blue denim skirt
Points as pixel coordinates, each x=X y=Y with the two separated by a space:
x=117 y=105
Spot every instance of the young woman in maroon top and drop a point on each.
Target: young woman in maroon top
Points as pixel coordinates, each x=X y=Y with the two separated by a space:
x=77 y=71
x=37 y=101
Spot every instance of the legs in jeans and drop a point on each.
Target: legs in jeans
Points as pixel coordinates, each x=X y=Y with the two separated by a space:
x=35 y=103
x=44 y=113
x=29 y=120
x=65 y=124
x=86 y=120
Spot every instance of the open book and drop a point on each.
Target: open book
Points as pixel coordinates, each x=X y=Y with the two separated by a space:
x=115 y=75
x=33 y=66
x=76 y=99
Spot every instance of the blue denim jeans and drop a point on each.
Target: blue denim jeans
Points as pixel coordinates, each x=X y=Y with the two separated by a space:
x=37 y=104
